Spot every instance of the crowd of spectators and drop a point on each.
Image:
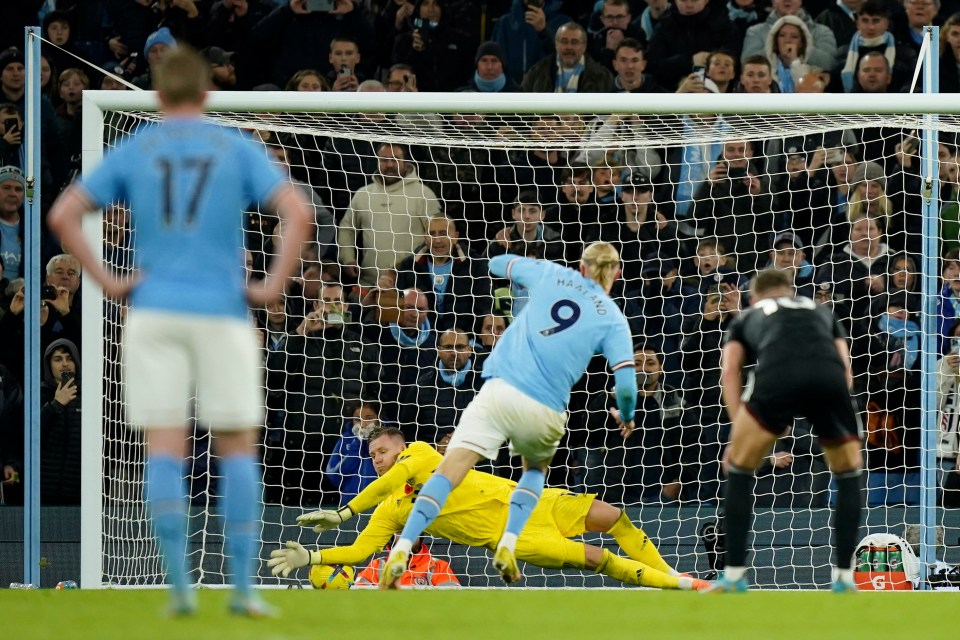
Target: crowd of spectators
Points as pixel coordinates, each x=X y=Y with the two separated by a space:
x=394 y=310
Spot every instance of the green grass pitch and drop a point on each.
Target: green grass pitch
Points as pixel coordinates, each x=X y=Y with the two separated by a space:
x=490 y=615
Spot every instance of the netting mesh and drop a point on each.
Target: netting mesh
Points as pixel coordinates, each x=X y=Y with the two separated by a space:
x=695 y=204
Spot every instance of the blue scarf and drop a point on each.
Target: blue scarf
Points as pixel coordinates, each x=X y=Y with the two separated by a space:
x=853 y=55
x=489 y=86
x=405 y=340
x=847 y=10
x=736 y=13
x=906 y=340
x=646 y=23
x=456 y=378
x=784 y=78
x=568 y=79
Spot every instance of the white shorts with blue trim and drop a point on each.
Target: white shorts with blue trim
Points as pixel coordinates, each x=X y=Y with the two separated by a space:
x=170 y=358
x=500 y=412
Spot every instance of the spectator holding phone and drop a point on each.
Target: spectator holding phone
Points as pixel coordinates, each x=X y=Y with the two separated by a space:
x=60 y=425
x=11 y=136
x=297 y=35
x=526 y=34
x=439 y=51
x=344 y=58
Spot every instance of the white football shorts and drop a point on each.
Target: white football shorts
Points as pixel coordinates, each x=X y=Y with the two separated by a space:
x=501 y=412
x=169 y=355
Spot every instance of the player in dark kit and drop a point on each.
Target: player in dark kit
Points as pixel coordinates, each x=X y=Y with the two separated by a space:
x=802 y=369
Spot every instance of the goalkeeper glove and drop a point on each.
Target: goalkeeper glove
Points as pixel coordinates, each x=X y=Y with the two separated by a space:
x=284 y=561
x=323 y=520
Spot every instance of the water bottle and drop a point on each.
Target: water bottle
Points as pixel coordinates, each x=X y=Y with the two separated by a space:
x=880 y=559
x=22 y=585
x=863 y=560
x=895 y=559
x=67 y=584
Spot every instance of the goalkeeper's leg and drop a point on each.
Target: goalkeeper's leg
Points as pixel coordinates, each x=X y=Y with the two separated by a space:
x=166 y=502
x=606 y=518
x=637 y=573
x=453 y=468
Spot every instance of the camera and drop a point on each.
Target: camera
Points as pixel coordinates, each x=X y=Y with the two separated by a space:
x=11 y=124
x=700 y=71
x=955 y=345
x=533 y=3
x=48 y=292
x=344 y=72
x=66 y=377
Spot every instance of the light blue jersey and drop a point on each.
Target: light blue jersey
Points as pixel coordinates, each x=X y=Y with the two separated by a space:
x=187 y=184
x=568 y=320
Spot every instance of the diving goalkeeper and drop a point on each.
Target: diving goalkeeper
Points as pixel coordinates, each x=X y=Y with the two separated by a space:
x=476 y=514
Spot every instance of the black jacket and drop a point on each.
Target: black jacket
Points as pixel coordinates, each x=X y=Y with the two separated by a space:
x=433 y=405
x=311 y=377
x=467 y=297
x=678 y=37
x=60 y=436
x=542 y=77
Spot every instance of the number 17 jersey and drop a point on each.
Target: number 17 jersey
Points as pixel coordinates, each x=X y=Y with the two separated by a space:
x=568 y=320
x=187 y=184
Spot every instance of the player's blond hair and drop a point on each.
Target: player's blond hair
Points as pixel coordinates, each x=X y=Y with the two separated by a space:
x=770 y=279
x=182 y=77
x=601 y=260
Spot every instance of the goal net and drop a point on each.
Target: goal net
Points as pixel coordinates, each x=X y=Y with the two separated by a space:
x=696 y=203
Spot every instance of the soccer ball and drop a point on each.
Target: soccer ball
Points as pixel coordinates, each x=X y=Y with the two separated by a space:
x=331 y=576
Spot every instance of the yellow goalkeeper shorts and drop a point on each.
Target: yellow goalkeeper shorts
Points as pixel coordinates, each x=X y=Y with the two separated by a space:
x=545 y=541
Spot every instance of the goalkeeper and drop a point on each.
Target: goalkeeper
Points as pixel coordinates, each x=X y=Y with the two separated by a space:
x=476 y=514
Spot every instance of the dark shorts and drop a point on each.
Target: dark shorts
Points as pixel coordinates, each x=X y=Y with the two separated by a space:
x=818 y=393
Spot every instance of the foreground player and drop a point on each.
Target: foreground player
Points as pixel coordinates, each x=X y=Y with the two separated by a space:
x=802 y=369
x=187 y=183
x=474 y=516
x=569 y=318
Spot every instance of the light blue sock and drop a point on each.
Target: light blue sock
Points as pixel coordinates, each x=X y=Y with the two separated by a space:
x=523 y=501
x=167 y=503
x=432 y=497
x=241 y=515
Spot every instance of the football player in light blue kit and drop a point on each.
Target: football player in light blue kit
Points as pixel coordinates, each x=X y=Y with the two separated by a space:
x=569 y=319
x=187 y=184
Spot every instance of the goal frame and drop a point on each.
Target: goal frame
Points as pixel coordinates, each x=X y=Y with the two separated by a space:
x=97 y=103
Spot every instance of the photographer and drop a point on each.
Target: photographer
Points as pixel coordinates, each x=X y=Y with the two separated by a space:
x=60 y=425
x=439 y=52
x=344 y=58
x=310 y=375
x=734 y=205
x=526 y=33
x=11 y=136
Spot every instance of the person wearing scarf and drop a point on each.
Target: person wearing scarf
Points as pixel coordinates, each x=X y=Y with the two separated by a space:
x=490 y=75
x=873 y=20
x=788 y=44
x=903 y=337
x=407 y=342
x=444 y=389
x=571 y=70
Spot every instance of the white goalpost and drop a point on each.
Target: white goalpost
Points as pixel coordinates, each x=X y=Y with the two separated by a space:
x=799 y=172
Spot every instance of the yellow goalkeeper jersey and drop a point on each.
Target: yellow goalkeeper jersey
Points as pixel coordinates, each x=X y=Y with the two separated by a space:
x=475 y=514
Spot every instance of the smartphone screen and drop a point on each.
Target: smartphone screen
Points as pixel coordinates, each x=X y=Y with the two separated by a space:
x=321 y=5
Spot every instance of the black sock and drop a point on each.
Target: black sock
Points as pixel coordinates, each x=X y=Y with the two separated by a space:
x=846 y=516
x=737 y=513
